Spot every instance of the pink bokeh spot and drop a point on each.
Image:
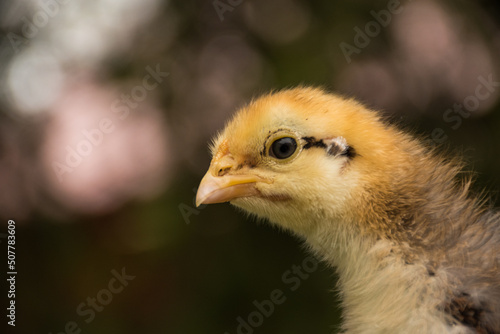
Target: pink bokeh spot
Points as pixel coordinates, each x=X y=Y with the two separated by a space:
x=95 y=160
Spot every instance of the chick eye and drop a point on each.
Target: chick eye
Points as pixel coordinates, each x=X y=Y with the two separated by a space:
x=283 y=148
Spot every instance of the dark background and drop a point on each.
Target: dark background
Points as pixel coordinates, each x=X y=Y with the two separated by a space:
x=128 y=203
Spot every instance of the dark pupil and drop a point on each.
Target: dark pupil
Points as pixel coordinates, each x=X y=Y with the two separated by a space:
x=283 y=148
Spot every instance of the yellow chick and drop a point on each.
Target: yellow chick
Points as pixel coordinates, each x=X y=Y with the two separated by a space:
x=415 y=253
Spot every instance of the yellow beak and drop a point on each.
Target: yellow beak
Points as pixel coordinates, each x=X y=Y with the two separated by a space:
x=219 y=189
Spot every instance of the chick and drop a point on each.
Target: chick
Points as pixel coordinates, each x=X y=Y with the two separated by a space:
x=414 y=251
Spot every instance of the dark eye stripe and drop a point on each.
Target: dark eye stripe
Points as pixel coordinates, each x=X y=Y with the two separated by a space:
x=312 y=142
x=332 y=147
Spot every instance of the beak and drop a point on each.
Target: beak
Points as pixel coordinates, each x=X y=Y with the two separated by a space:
x=220 y=189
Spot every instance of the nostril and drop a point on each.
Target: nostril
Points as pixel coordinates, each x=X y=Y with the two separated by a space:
x=223 y=171
x=222 y=165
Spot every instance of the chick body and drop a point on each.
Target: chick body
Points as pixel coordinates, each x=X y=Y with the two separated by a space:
x=414 y=251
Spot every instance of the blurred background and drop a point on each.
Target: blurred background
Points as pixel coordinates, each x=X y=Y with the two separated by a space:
x=106 y=109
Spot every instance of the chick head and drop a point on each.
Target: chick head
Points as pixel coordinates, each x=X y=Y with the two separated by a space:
x=295 y=157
